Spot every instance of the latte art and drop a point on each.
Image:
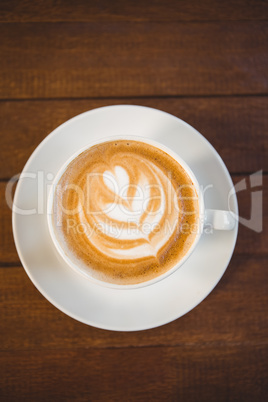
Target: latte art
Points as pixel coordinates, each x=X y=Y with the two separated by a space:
x=129 y=204
x=119 y=211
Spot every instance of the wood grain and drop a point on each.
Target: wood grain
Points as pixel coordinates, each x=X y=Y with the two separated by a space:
x=30 y=322
x=232 y=373
x=48 y=60
x=236 y=126
x=139 y=10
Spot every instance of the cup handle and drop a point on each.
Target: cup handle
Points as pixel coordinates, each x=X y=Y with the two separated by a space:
x=219 y=220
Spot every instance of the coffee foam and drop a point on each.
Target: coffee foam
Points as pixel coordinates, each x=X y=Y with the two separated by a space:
x=119 y=211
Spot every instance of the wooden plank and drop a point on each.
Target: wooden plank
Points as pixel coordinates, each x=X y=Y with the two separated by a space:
x=235 y=126
x=221 y=373
x=30 y=322
x=48 y=60
x=249 y=242
x=139 y=10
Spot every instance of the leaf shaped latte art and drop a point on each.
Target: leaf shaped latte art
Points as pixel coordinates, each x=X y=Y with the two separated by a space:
x=131 y=209
x=119 y=211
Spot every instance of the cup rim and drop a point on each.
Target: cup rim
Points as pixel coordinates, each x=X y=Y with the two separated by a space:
x=50 y=203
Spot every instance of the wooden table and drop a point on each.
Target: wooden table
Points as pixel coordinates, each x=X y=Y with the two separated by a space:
x=203 y=61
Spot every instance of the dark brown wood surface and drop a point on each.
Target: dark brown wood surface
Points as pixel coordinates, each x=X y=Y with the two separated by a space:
x=203 y=61
x=64 y=59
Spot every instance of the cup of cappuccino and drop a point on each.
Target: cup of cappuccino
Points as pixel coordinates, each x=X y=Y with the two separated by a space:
x=126 y=212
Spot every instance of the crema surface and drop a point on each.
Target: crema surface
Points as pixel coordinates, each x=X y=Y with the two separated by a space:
x=125 y=212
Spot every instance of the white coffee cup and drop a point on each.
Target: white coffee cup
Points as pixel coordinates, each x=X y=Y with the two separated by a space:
x=215 y=219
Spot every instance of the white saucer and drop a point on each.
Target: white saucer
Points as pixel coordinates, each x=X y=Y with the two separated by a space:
x=122 y=310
